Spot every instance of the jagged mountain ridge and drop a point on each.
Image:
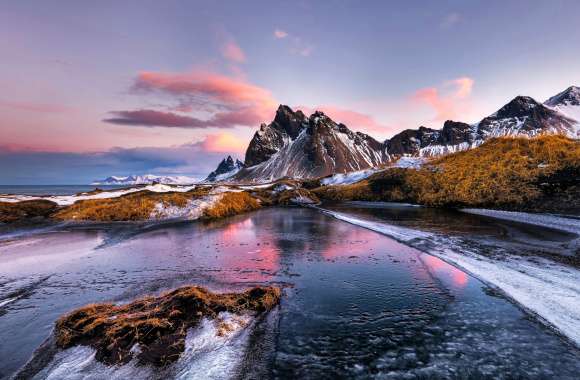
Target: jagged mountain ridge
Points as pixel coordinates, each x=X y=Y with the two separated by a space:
x=226 y=169
x=522 y=116
x=295 y=145
x=566 y=102
x=299 y=146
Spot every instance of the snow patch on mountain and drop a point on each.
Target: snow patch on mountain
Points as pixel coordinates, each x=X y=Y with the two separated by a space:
x=146 y=179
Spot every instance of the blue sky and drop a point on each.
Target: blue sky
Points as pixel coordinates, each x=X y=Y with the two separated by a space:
x=132 y=87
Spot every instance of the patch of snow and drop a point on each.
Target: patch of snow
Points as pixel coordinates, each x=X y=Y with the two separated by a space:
x=545 y=220
x=348 y=178
x=546 y=289
x=409 y=162
x=146 y=180
x=193 y=209
x=210 y=353
x=302 y=200
x=282 y=187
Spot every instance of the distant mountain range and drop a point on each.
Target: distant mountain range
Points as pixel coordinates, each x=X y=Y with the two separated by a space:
x=146 y=179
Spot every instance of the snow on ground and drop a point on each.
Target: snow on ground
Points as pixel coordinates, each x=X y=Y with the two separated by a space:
x=147 y=179
x=210 y=352
x=65 y=200
x=348 y=178
x=193 y=209
x=545 y=220
x=409 y=162
x=302 y=200
x=549 y=290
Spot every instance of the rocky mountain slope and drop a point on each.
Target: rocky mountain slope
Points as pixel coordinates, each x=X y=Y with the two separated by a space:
x=567 y=102
x=523 y=116
x=226 y=169
x=295 y=145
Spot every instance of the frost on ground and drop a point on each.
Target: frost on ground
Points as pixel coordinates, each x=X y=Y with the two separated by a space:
x=409 y=162
x=347 y=178
x=193 y=209
x=549 y=290
x=66 y=200
x=545 y=220
x=213 y=350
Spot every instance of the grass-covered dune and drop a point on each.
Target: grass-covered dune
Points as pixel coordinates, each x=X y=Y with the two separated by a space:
x=26 y=210
x=157 y=324
x=540 y=174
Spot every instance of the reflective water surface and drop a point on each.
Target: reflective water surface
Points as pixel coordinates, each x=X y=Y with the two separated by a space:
x=356 y=304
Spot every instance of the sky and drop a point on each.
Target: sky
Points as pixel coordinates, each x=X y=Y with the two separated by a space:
x=93 y=89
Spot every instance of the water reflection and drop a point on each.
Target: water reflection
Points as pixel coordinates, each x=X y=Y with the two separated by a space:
x=360 y=305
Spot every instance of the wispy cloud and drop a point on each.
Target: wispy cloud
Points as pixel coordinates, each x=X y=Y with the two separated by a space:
x=233 y=52
x=23 y=166
x=296 y=45
x=354 y=120
x=449 y=100
x=279 y=33
x=229 y=101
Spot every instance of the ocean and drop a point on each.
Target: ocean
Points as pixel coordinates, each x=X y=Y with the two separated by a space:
x=54 y=189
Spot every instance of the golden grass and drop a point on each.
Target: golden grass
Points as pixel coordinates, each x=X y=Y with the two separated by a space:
x=503 y=172
x=231 y=203
x=130 y=207
x=13 y=212
x=158 y=324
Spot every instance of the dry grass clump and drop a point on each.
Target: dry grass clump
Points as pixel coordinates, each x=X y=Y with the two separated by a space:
x=287 y=197
x=13 y=212
x=518 y=173
x=158 y=324
x=231 y=203
x=130 y=207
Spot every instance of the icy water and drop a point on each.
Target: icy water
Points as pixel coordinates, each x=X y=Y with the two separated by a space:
x=356 y=303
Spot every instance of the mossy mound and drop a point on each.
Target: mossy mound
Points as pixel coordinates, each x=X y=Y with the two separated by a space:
x=158 y=324
x=14 y=212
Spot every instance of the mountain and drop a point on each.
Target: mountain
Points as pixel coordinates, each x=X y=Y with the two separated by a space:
x=523 y=116
x=226 y=169
x=567 y=102
x=146 y=180
x=297 y=146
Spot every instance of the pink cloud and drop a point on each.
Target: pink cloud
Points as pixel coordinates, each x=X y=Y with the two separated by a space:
x=229 y=101
x=223 y=143
x=278 y=33
x=463 y=86
x=352 y=119
x=233 y=52
x=450 y=103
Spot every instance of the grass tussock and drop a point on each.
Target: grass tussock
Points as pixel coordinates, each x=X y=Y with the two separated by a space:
x=294 y=196
x=130 y=207
x=14 y=212
x=231 y=203
x=158 y=324
x=514 y=173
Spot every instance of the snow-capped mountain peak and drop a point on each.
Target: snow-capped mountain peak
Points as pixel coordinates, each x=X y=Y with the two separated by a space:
x=146 y=179
x=226 y=169
x=307 y=147
x=568 y=97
